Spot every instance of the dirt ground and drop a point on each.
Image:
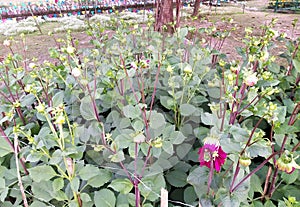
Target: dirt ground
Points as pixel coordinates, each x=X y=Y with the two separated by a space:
x=255 y=15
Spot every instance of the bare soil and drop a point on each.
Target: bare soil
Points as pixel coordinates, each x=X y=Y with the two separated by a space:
x=254 y=15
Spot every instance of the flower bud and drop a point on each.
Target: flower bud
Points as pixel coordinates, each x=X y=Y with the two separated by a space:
x=70 y=50
x=251 y=80
x=157 y=143
x=287 y=163
x=60 y=119
x=7 y=43
x=40 y=108
x=32 y=65
x=188 y=69
x=245 y=161
x=76 y=72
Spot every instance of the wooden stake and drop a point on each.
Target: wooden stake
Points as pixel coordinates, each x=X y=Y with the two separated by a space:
x=163 y=198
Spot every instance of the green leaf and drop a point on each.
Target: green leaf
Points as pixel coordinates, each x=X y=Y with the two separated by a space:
x=239 y=134
x=122 y=200
x=197 y=176
x=177 y=178
x=157 y=120
x=100 y=179
x=189 y=195
x=42 y=190
x=231 y=201
x=105 y=198
x=27 y=100
x=187 y=109
x=5 y=148
x=123 y=186
x=75 y=182
x=290 y=178
x=40 y=173
x=38 y=204
x=60 y=195
x=255 y=183
x=296 y=64
x=177 y=137
x=167 y=102
x=58 y=98
x=151 y=185
x=138 y=125
x=88 y=172
x=85 y=197
x=208 y=119
x=269 y=203
x=86 y=110
x=168 y=147
x=58 y=184
x=131 y=112
x=2 y=184
x=183 y=149
x=182 y=32
x=118 y=157
x=214 y=93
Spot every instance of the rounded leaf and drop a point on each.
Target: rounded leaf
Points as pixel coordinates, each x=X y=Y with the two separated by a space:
x=123 y=186
x=105 y=198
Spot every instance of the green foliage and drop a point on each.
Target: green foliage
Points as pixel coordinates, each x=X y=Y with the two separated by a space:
x=113 y=124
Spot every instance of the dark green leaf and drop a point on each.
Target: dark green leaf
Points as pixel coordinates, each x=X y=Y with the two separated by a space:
x=40 y=173
x=290 y=178
x=86 y=110
x=27 y=100
x=5 y=148
x=88 y=172
x=157 y=120
x=177 y=178
x=105 y=198
x=58 y=98
x=75 y=182
x=256 y=183
x=123 y=186
x=187 y=109
x=131 y=112
x=296 y=64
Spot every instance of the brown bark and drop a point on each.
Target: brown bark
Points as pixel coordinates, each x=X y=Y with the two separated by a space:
x=164 y=15
x=196 y=8
x=178 y=7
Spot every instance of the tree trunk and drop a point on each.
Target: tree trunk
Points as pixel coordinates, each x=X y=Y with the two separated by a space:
x=196 y=7
x=164 y=15
x=178 y=7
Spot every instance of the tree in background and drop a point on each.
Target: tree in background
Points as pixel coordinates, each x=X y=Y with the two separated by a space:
x=196 y=7
x=164 y=16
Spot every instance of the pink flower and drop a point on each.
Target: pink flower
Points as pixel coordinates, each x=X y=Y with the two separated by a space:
x=212 y=153
x=251 y=80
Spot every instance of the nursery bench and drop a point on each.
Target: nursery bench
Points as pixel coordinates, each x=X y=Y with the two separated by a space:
x=286 y=5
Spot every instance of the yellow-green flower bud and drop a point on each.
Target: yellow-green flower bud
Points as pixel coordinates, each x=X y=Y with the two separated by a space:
x=40 y=108
x=70 y=50
x=245 y=161
x=188 y=69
